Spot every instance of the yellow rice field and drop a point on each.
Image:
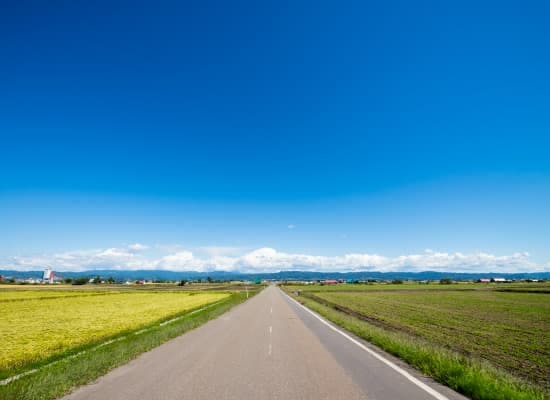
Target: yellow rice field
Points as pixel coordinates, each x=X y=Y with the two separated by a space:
x=15 y=295
x=36 y=325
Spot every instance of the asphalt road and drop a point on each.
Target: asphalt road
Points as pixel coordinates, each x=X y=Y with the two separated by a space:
x=267 y=348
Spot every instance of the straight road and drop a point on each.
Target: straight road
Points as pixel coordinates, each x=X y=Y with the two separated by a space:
x=267 y=348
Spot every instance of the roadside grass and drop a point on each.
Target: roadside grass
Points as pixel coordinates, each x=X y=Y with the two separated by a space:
x=57 y=379
x=471 y=377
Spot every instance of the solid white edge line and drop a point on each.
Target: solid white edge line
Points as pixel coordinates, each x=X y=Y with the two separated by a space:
x=390 y=364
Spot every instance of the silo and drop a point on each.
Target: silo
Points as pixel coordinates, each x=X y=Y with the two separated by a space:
x=48 y=275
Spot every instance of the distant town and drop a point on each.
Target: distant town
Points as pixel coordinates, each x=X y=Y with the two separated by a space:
x=51 y=277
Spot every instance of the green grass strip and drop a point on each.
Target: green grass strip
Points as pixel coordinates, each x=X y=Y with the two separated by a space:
x=53 y=381
x=473 y=378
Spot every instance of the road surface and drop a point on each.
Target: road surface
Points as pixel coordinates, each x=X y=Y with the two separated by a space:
x=269 y=347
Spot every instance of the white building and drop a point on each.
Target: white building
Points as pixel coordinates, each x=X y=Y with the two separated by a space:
x=48 y=275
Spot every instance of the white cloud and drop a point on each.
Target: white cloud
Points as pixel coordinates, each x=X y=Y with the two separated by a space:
x=186 y=261
x=182 y=260
x=138 y=247
x=111 y=258
x=291 y=226
x=216 y=251
x=267 y=259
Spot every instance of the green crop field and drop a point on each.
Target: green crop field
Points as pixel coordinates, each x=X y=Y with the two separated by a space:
x=378 y=286
x=367 y=287
x=506 y=327
x=38 y=324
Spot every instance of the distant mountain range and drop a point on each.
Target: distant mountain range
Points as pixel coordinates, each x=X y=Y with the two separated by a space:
x=121 y=275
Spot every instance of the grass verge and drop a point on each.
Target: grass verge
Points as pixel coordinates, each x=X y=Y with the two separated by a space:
x=53 y=381
x=473 y=378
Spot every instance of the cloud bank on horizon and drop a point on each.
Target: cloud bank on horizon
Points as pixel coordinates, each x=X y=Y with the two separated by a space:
x=266 y=259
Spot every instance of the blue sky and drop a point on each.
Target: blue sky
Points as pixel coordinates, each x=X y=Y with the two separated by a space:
x=265 y=135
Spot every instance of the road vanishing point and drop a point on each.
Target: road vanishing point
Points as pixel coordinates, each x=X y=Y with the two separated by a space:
x=269 y=347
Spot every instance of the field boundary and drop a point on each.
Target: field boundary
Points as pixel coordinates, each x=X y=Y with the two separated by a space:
x=349 y=311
